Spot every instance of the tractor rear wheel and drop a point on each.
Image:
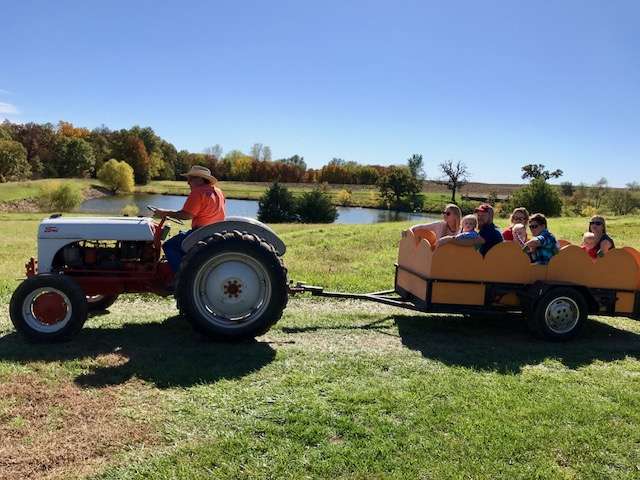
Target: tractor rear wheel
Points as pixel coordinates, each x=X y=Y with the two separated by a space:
x=99 y=303
x=232 y=286
x=48 y=308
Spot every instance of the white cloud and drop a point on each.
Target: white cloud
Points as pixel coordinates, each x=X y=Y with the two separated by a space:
x=8 y=109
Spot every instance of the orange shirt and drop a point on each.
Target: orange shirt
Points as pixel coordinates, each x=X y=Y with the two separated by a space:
x=206 y=204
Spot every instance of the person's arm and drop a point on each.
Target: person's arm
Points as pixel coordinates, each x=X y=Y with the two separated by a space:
x=179 y=214
x=463 y=242
x=605 y=246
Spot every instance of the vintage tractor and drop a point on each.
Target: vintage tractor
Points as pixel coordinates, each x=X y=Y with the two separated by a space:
x=232 y=283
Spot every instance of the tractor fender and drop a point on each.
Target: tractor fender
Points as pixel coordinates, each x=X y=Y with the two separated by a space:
x=241 y=224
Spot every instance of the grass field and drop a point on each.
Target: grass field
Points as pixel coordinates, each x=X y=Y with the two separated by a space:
x=334 y=390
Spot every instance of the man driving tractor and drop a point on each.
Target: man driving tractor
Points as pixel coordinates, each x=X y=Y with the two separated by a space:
x=204 y=206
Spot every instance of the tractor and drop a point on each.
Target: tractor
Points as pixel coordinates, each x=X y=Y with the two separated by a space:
x=231 y=285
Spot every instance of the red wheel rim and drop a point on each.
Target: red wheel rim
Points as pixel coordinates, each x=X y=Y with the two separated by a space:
x=49 y=308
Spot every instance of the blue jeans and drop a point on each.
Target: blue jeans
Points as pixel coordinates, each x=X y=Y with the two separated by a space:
x=173 y=249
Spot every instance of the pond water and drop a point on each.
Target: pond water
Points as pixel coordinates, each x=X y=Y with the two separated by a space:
x=242 y=208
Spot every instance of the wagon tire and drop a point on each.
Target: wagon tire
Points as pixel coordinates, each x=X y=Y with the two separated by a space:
x=559 y=314
x=99 y=303
x=48 y=308
x=232 y=286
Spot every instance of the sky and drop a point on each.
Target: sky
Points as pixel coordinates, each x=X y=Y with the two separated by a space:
x=494 y=84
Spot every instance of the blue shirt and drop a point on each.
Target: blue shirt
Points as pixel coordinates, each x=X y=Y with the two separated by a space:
x=548 y=248
x=491 y=236
x=467 y=235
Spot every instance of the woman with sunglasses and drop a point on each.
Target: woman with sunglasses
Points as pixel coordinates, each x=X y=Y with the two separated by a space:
x=519 y=215
x=449 y=225
x=603 y=242
x=543 y=244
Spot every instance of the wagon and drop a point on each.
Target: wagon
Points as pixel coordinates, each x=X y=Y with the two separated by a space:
x=555 y=299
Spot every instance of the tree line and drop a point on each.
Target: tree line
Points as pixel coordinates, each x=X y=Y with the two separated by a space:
x=34 y=151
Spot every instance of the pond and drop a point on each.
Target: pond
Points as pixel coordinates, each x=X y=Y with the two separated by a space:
x=242 y=208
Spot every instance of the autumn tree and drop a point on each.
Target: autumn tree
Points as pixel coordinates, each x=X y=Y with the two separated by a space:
x=13 y=161
x=398 y=187
x=74 y=157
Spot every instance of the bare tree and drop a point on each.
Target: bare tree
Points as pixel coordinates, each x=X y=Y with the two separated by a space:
x=455 y=176
x=215 y=151
x=599 y=191
x=266 y=153
x=256 y=151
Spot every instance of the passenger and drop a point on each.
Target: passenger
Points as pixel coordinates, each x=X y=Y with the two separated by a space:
x=519 y=232
x=469 y=225
x=488 y=234
x=598 y=227
x=589 y=244
x=449 y=225
x=543 y=244
x=519 y=215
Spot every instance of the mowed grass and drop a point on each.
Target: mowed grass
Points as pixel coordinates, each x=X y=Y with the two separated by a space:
x=334 y=390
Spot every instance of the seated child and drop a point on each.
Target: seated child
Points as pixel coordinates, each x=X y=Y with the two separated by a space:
x=589 y=244
x=519 y=234
x=469 y=225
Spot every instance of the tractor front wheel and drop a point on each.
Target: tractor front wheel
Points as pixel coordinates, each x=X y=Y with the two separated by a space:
x=232 y=286
x=48 y=308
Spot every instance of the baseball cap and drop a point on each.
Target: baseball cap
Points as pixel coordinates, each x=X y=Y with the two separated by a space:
x=484 y=207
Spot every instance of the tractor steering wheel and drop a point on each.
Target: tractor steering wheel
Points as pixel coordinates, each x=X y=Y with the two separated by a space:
x=175 y=220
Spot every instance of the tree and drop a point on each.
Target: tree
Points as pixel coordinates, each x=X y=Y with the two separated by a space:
x=633 y=186
x=533 y=171
x=455 y=176
x=118 y=176
x=538 y=196
x=138 y=158
x=40 y=142
x=316 y=207
x=215 y=151
x=266 y=153
x=397 y=186
x=416 y=166
x=598 y=192
x=74 y=157
x=567 y=189
x=276 y=205
x=622 y=202
x=13 y=161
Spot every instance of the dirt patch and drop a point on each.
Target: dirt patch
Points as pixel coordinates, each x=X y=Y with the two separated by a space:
x=96 y=191
x=25 y=205
x=54 y=430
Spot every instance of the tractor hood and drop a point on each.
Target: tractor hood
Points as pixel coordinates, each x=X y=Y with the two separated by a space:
x=97 y=228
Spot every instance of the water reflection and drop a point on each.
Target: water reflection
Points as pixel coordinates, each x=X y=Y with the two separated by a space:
x=243 y=208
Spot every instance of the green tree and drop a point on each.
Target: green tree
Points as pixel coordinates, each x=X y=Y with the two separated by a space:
x=567 y=189
x=622 y=202
x=276 y=205
x=13 y=161
x=118 y=176
x=398 y=188
x=74 y=157
x=538 y=170
x=416 y=166
x=316 y=207
x=538 y=196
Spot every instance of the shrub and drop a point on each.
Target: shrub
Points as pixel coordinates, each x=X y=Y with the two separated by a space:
x=538 y=196
x=622 y=202
x=62 y=197
x=398 y=188
x=276 y=205
x=13 y=161
x=316 y=207
x=117 y=176
x=130 y=210
x=344 y=198
x=567 y=189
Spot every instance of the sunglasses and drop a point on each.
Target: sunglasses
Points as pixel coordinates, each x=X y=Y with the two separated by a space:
x=533 y=225
x=599 y=223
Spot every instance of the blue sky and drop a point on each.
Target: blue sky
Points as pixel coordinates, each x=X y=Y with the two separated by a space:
x=496 y=84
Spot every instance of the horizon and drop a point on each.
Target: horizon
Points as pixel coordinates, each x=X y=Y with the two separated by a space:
x=496 y=85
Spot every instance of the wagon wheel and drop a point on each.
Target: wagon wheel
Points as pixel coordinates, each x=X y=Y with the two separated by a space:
x=558 y=314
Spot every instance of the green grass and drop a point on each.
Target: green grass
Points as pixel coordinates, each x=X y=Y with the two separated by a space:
x=340 y=389
x=20 y=190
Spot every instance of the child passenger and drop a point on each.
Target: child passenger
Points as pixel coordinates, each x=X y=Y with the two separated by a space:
x=469 y=225
x=589 y=244
x=519 y=232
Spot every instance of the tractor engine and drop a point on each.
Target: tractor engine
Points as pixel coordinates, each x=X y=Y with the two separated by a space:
x=107 y=256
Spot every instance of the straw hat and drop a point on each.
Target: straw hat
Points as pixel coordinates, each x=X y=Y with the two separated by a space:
x=199 y=171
